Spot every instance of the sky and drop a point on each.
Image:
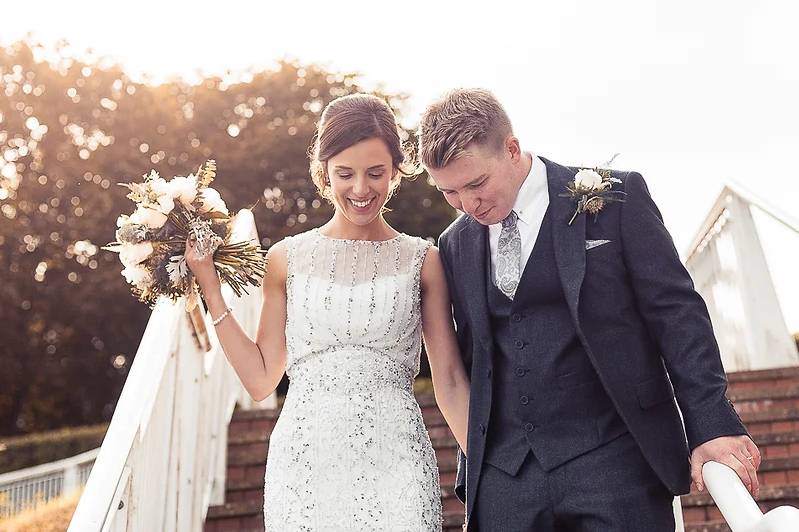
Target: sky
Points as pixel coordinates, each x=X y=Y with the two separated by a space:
x=691 y=94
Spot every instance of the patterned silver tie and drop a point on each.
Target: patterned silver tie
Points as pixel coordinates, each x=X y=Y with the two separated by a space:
x=509 y=255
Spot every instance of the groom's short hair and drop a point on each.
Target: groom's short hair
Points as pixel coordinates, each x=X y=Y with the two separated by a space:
x=461 y=117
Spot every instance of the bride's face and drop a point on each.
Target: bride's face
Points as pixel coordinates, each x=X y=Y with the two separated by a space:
x=360 y=180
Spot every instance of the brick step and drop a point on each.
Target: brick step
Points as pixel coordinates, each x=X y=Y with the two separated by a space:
x=763 y=378
x=248 y=465
x=700 y=508
x=777 y=444
x=250 y=420
x=256 y=452
x=247 y=487
x=254 y=420
x=760 y=399
x=714 y=526
x=775 y=472
x=248 y=517
x=425 y=400
x=245 y=515
x=264 y=419
x=247 y=454
x=250 y=447
x=772 y=421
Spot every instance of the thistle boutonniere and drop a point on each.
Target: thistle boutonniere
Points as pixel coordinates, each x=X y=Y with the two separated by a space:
x=592 y=190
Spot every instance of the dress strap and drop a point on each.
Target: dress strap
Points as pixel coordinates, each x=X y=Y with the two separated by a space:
x=420 y=252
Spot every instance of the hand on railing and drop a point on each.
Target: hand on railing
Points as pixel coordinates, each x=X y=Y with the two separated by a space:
x=737 y=452
x=737 y=506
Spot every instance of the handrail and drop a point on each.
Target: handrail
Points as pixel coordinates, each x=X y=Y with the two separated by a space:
x=25 y=489
x=736 y=189
x=740 y=511
x=163 y=460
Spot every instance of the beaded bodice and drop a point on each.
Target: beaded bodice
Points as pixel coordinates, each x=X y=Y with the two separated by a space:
x=354 y=297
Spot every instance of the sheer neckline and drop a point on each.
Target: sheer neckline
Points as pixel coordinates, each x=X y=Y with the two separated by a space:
x=318 y=231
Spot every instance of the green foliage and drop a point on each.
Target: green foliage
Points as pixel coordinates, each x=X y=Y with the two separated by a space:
x=69 y=325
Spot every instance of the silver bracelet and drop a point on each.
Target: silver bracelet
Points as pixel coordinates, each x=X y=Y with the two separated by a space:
x=222 y=317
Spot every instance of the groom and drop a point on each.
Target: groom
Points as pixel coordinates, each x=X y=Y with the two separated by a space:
x=581 y=339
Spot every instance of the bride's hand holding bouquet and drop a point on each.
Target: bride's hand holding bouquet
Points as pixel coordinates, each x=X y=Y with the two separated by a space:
x=179 y=237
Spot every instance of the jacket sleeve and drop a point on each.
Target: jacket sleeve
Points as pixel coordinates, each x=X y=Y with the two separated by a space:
x=676 y=317
x=464 y=337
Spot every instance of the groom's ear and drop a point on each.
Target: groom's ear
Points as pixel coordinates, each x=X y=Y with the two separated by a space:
x=513 y=148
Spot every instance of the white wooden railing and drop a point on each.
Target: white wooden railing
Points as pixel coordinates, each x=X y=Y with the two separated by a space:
x=25 y=489
x=729 y=267
x=162 y=462
x=740 y=511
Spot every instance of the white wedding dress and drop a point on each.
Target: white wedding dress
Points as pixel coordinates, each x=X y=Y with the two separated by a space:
x=350 y=451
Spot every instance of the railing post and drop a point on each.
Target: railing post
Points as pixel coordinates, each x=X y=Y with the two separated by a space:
x=187 y=398
x=679 y=522
x=71 y=480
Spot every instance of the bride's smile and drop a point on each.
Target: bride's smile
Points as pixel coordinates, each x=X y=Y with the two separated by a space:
x=360 y=181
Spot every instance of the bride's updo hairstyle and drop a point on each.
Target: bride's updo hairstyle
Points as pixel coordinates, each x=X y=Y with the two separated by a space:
x=349 y=120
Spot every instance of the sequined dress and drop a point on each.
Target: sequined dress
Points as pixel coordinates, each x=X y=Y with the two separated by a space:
x=350 y=450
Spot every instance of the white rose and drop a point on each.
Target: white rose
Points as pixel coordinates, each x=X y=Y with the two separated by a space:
x=137 y=275
x=149 y=217
x=123 y=220
x=133 y=254
x=212 y=201
x=163 y=191
x=165 y=203
x=159 y=185
x=184 y=189
x=587 y=180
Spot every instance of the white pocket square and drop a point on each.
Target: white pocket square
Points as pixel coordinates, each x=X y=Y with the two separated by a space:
x=591 y=244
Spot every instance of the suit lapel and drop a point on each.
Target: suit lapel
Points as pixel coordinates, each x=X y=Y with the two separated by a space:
x=473 y=245
x=568 y=240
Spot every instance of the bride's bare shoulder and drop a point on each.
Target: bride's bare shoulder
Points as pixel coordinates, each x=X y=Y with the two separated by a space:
x=276 y=263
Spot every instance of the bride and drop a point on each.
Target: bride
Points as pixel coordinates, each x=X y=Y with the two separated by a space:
x=345 y=308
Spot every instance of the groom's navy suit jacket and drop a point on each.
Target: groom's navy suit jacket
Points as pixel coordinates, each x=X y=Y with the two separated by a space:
x=644 y=328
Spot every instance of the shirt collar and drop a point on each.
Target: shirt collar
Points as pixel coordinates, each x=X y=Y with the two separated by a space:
x=533 y=185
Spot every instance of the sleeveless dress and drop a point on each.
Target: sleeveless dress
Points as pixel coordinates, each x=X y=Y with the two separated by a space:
x=350 y=450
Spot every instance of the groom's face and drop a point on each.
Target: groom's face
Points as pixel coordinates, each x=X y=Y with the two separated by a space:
x=480 y=182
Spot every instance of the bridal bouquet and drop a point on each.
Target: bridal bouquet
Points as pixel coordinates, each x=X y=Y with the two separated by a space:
x=151 y=241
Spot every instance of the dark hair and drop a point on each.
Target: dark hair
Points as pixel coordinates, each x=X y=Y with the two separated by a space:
x=349 y=120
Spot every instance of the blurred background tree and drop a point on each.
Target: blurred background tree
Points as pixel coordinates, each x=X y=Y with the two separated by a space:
x=69 y=130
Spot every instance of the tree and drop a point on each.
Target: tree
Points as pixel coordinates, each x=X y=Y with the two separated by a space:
x=69 y=131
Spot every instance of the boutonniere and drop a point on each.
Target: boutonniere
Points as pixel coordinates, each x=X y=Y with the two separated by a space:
x=592 y=190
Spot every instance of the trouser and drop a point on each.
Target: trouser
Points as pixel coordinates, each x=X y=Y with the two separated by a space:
x=609 y=489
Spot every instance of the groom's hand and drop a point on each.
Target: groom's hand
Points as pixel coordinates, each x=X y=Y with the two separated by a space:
x=738 y=452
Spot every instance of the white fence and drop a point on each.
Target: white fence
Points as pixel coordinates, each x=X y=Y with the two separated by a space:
x=162 y=462
x=729 y=267
x=27 y=488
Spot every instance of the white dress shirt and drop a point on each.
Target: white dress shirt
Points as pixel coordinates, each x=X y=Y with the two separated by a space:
x=531 y=205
